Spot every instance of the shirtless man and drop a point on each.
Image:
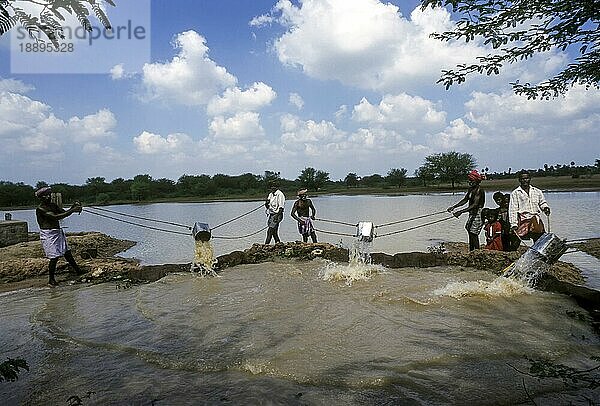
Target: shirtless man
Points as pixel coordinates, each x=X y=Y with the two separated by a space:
x=304 y=213
x=52 y=236
x=476 y=198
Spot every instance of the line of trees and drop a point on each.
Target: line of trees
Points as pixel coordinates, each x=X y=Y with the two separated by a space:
x=444 y=168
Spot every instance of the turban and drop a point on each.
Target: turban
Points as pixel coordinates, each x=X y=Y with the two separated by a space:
x=302 y=192
x=475 y=176
x=43 y=191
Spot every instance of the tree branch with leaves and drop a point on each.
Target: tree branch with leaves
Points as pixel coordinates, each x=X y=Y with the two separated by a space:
x=49 y=22
x=518 y=30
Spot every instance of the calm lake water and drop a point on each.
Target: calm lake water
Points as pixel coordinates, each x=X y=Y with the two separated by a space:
x=300 y=333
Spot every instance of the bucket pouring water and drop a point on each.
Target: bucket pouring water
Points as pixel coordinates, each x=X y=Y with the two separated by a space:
x=550 y=247
x=201 y=232
x=365 y=231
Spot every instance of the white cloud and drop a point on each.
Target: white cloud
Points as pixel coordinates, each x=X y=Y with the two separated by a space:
x=243 y=126
x=325 y=140
x=235 y=100
x=296 y=100
x=408 y=113
x=93 y=126
x=117 y=72
x=149 y=143
x=38 y=129
x=457 y=135
x=366 y=43
x=190 y=78
x=14 y=86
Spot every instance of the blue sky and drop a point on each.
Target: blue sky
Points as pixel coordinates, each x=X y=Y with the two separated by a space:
x=236 y=86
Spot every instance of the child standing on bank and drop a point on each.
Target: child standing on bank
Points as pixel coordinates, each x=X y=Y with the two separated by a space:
x=493 y=229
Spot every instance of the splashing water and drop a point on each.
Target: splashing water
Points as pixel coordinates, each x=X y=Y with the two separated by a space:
x=349 y=273
x=528 y=269
x=361 y=252
x=359 y=267
x=499 y=287
x=204 y=259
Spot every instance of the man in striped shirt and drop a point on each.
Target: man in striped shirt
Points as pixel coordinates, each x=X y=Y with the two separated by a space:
x=526 y=203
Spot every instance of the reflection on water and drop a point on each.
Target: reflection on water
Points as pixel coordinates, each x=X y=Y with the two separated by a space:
x=282 y=333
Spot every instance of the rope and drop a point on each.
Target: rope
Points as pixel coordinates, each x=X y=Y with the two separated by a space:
x=334 y=233
x=237 y=218
x=410 y=219
x=415 y=227
x=337 y=222
x=243 y=236
x=583 y=239
x=138 y=217
x=135 y=224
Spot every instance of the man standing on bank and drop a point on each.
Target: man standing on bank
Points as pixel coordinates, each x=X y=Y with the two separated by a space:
x=524 y=208
x=52 y=236
x=274 y=205
x=476 y=198
x=304 y=213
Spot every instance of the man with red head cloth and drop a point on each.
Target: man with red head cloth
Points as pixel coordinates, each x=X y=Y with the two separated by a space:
x=475 y=198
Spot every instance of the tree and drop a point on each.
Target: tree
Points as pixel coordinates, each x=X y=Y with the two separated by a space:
x=425 y=175
x=396 y=176
x=49 y=20
x=351 y=180
x=271 y=177
x=373 y=180
x=141 y=187
x=313 y=179
x=449 y=166
x=518 y=30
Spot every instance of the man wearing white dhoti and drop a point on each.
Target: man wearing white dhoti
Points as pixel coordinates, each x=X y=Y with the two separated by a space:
x=54 y=241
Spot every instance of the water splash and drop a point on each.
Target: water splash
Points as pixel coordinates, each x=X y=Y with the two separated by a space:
x=204 y=259
x=528 y=269
x=361 y=252
x=349 y=273
x=499 y=287
x=359 y=266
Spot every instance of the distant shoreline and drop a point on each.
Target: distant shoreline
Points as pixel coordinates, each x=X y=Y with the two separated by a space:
x=546 y=184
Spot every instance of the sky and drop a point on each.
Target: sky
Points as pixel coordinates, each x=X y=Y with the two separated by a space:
x=238 y=86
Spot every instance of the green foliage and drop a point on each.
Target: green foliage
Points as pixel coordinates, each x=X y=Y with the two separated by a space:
x=447 y=167
x=313 y=179
x=271 y=177
x=143 y=187
x=16 y=194
x=351 y=180
x=50 y=17
x=9 y=369
x=518 y=30
x=397 y=176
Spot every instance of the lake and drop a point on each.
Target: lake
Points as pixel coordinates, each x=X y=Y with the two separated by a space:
x=301 y=333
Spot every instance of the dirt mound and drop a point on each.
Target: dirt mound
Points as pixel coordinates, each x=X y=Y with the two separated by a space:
x=26 y=260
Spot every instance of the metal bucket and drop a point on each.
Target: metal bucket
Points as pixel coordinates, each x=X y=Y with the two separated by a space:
x=364 y=231
x=201 y=232
x=550 y=247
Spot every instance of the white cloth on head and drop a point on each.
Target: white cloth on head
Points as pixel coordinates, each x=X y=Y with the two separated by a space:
x=276 y=201
x=54 y=242
x=526 y=204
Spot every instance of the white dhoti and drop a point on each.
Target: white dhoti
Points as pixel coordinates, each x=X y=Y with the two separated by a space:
x=54 y=242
